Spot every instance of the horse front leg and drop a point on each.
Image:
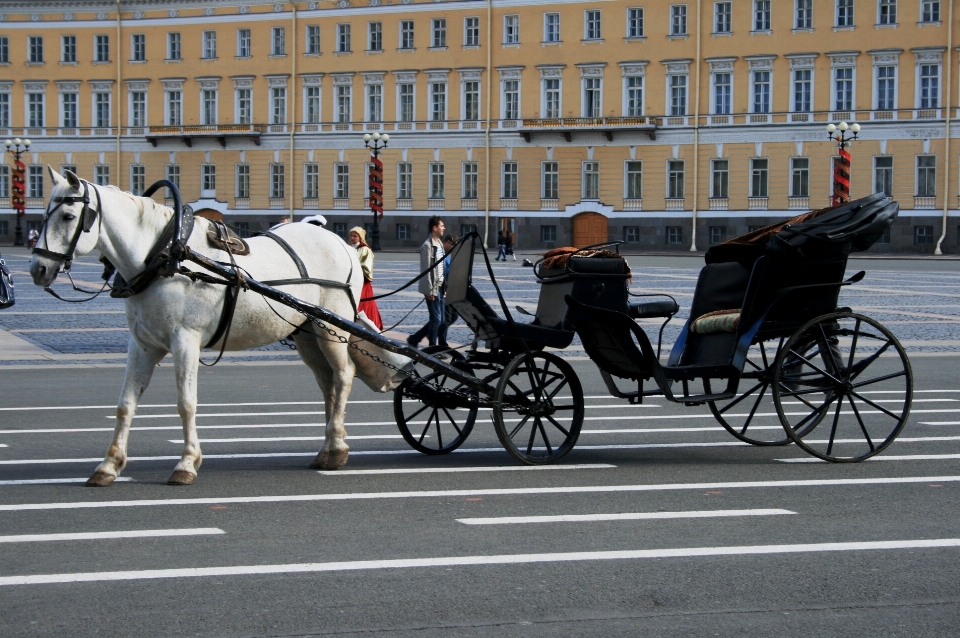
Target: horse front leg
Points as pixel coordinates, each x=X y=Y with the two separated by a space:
x=339 y=372
x=141 y=362
x=186 y=362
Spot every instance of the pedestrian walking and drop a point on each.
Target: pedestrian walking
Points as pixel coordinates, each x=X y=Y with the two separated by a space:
x=508 y=245
x=358 y=239
x=450 y=315
x=431 y=284
x=501 y=247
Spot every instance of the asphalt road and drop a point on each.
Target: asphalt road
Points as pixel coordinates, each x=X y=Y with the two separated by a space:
x=679 y=531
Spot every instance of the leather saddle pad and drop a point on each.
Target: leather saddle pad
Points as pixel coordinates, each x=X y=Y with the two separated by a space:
x=222 y=237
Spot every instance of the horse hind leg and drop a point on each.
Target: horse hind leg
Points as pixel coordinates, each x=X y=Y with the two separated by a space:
x=186 y=361
x=333 y=370
x=141 y=362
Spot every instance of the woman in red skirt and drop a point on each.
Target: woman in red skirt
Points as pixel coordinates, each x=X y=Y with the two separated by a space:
x=358 y=237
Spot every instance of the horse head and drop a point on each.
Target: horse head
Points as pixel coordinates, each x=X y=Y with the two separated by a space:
x=69 y=226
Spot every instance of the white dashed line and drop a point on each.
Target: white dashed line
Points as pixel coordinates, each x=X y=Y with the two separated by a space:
x=636 y=516
x=96 y=536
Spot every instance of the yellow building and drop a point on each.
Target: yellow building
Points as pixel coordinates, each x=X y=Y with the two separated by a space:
x=565 y=122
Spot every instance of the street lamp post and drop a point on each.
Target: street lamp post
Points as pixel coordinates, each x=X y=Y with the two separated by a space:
x=376 y=143
x=841 y=165
x=18 y=196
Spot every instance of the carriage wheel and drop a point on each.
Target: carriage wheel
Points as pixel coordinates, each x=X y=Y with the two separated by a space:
x=538 y=408
x=751 y=415
x=848 y=373
x=430 y=421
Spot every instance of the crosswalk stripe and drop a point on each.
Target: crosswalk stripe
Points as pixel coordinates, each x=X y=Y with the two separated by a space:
x=452 y=470
x=91 y=536
x=53 y=481
x=881 y=457
x=633 y=516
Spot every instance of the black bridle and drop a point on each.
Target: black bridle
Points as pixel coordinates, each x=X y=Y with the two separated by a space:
x=88 y=217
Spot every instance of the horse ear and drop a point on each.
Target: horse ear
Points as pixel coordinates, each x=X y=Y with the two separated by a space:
x=72 y=179
x=54 y=175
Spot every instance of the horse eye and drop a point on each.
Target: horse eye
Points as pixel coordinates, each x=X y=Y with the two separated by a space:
x=69 y=217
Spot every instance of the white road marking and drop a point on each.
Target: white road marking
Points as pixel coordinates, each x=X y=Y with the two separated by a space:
x=634 y=516
x=95 y=536
x=53 y=481
x=291 y=438
x=891 y=457
x=518 y=491
x=462 y=561
x=940 y=423
x=451 y=470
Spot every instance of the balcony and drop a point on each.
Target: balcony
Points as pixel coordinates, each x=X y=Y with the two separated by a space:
x=508 y=204
x=757 y=203
x=220 y=132
x=311 y=202
x=468 y=204
x=675 y=204
x=918 y=202
x=549 y=204
x=633 y=204
x=341 y=203
x=606 y=125
x=798 y=203
x=278 y=203
x=719 y=203
x=404 y=204
x=436 y=203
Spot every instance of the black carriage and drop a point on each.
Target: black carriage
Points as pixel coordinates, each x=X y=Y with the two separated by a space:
x=765 y=339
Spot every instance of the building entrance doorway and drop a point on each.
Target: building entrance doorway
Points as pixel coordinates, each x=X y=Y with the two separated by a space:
x=509 y=225
x=589 y=229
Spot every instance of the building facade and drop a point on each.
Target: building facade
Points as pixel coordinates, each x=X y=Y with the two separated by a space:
x=668 y=125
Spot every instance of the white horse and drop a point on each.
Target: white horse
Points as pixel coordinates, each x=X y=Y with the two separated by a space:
x=177 y=316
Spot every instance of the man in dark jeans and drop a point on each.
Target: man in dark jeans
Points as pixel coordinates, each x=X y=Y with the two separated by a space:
x=450 y=315
x=431 y=285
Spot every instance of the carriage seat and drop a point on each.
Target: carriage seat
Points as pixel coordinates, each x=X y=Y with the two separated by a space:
x=653 y=309
x=533 y=333
x=716 y=322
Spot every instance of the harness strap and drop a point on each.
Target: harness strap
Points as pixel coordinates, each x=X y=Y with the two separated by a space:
x=305 y=277
x=226 y=318
x=293 y=255
x=307 y=280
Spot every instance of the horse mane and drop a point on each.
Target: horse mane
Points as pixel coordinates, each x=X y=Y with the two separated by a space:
x=147 y=209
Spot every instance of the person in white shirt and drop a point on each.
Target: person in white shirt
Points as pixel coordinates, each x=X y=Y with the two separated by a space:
x=431 y=285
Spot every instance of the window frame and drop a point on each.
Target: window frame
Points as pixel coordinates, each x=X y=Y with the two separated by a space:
x=509 y=180
x=208 y=46
x=343 y=37
x=590 y=180
x=924 y=175
x=471 y=31
x=374 y=36
x=35 y=49
x=550 y=180
x=759 y=178
x=406 y=35
x=438 y=33
x=174 y=46
x=437 y=181
x=404 y=180
x=101 y=48
x=470 y=179
x=312 y=40
x=678 y=20
x=633 y=178
x=278 y=41
x=843 y=14
x=551 y=30
x=800 y=177
x=883 y=174
x=138 y=47
x=511 y=29
x=887 y=12
x=803 y=15
x=720 y=178
x=592 y=26
x=635 y=22
x=762 y=16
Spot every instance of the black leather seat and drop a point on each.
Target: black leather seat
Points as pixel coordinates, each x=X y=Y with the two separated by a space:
x=653 y=309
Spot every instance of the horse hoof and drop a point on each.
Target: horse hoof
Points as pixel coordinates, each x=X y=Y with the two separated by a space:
x=100 y=479
x=330 y=460
x=181 y=477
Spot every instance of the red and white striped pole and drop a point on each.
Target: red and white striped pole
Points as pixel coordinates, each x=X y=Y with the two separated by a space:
x=841 y=163
x=376 y=143
x=18 y=197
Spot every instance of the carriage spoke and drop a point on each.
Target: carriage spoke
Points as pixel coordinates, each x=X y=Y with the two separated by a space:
x=833 y=429
x=427 y=428
x=439 y=434
x=743 y=396
x=853 y=344
x=452 y=421
x=813 y=365
x=558 y=426
x=414 y=415
x=557 y=390
x=519 y=425
x=816 y=412
x=863 y=428
x=543 y=433
x=876 y=406
x=825 y=351
x=756 y=404
x=862 y=365
x=885 y=377
x=533 y=434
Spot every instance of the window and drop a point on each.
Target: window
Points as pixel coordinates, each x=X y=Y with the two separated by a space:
x=720 y=182
x=208 y=103
x=591 y=97
x=101 y=110
x=313 y=39
x=341 y=181
x=406 y=34
x=311 y=181
x=591 y=25
x=761 y=92
x=802 y=90
x=887 y=12
x=551 y=180
x=438 y=101
x=634 y=95
x=208 y=179
x=800 y=177
x=927 y=176
x=843 y=87
x=278 y=41
x=678 y=95
x=138 y=178
x=35 y=49
x=138 y=108
x=510 y=179
x=209 y=45
x=344 y=111
x=551 y=27
x=343 y=38
x=883 y=175
x=35 y=109
x=4 y=186
x=244 y=106
x=173 y=46
x=551 y=97
x=311 y=97
x=101 y=175
x=803 y=19
x=470 y=180
x=243 y=181
x=886 y=87
x=674 y=235
x=439 y=29
x=722 y=91
x=471 y=32
x=4 y=110
x=758 y=177
x=922 y=235
x=277 y=181
x=466 y=229
x=278 y=105
x=722 y=12
x=5 y=49
x=68 y=110
x=405 y=103
x=403 y=231
x=172 y=173
x=844 y=13
x=678 y=19
x=138 y=47
x=718 y=234
x=548 y=233
x=591 y=180
x=634 y=180
x=929 y=86
x=675 y=179
x=930 y=11
x=471 y=100
x=35 y=181
x=101 y=48
x=511 y=99
x=511 y=29
x=761 y=15
x=404 y=180
x=340 y=230
x=635 y=22
x=437 y=181
x=631 y=234
x=243 y=43
x=374 y=102
x=375 y=36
